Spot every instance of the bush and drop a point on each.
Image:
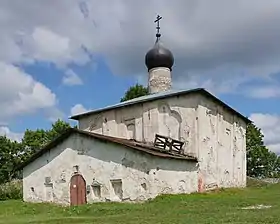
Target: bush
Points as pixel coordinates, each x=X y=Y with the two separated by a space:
x=254 y=182
x=11 y=190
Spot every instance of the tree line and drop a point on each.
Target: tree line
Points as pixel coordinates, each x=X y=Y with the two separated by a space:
x=261 y=162
x=13 y=153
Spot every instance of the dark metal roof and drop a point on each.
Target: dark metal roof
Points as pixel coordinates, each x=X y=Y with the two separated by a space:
x=159 y=56
x=142 y=147
x=162 y=95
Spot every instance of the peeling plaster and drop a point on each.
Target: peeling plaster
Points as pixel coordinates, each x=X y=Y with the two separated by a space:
x=105 y=163
x=210 y=132
x=174 y=117
x=159 y=80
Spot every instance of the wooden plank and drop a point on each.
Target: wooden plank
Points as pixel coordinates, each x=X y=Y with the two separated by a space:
x=168 y=143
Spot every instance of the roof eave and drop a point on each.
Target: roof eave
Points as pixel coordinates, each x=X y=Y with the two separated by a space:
x=46 y=148
x=202 y=90
x=76 y=117
x=246 y=119
x=113 y=140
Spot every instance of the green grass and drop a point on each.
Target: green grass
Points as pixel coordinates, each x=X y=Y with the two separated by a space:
x=215 y=207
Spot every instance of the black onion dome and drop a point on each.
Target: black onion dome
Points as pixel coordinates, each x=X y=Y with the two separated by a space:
x=159 y=56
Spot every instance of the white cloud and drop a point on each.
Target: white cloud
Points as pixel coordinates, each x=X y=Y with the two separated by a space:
x=204 y=36
x=53 y=114
x=270 y=126
x=216 y=83
x=49 y=45
x=78 y=109
x=219 y=45
x=263 y=92
x=21 y=94
x=71 y=78
x=5 y=131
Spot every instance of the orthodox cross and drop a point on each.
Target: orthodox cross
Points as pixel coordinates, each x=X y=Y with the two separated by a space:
x=158 y=27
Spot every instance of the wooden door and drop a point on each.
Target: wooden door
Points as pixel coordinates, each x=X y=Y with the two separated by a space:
x=77 y=190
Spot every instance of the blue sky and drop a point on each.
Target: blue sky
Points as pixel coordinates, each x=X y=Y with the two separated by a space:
x=100 y=88
x=82 y=55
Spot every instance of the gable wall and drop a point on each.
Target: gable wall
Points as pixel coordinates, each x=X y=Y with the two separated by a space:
x=143 y=176
x=222 y=146
x=173 y=117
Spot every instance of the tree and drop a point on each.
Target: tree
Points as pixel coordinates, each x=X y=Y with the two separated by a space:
x=273 y=166
x=134 y=92
x=9 y=158
x=57 y=129
x=33 y=140
x=13 y=153
x=260 y=161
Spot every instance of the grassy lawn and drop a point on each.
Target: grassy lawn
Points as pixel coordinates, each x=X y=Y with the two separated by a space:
x=216 y=207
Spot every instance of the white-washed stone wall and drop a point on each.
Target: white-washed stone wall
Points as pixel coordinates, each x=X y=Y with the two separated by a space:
x=159 y=80
x=174 y=117
x=222 y=146
x=212 y=133
x=143 y=176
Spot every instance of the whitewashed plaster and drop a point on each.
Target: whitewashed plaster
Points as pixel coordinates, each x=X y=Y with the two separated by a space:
x=222 y=146
x=159 y=80
x=143 y=176
x=210 y=132
x=173 y=117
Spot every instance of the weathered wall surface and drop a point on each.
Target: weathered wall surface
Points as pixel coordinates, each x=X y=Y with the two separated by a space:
x=222 y=146
x=159 y=80
x=173 y=117
x=141 y=176
x=212 y=133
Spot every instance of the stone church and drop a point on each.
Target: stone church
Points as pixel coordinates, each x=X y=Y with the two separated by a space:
x=169 y=142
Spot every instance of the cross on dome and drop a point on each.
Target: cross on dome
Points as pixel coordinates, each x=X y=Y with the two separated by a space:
x=158 y=27
x=159 y=56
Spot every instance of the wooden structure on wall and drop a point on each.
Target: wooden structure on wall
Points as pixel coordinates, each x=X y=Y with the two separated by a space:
x=168 y=144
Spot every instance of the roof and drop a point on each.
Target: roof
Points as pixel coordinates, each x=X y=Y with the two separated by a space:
x=159 y=56
x=162 y=95
x=119 y=141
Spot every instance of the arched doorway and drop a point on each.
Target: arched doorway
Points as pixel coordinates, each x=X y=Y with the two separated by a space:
x=78 y=190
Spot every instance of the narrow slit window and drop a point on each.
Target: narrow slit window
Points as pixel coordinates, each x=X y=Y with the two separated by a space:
x=96 y=188
x=117 y=186
x=97 y=191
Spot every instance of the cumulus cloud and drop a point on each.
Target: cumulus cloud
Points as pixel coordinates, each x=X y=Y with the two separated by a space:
x=219 y=45
x=53 y=114
x=205 y=37
x=270 y=126
x=5 y=131
x=21 y=94
x=71 y=79
x=211 y=41
x=48 y=45
x=78 y=109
